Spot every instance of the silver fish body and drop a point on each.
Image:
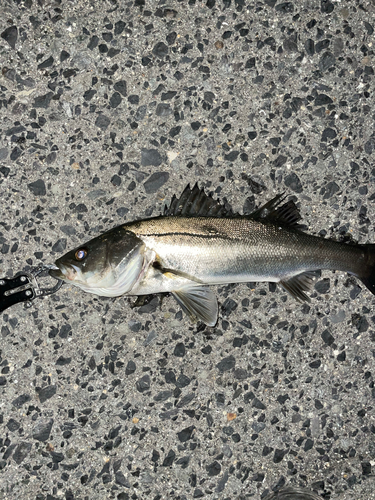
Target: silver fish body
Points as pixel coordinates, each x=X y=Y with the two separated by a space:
x=234 y=250
x=185 y=250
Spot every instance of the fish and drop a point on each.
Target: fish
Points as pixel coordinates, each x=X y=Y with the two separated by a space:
x=198 y=242
x=293 y=493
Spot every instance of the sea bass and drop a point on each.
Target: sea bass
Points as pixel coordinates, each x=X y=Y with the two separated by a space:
x=199 y=242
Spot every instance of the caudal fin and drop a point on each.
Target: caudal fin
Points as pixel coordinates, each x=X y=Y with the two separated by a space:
x=367 y=273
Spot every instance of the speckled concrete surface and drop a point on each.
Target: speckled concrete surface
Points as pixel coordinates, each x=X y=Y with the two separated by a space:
x=108 y=109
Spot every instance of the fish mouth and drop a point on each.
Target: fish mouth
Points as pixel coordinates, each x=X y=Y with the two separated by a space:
x=63 y=273
x=56 y=273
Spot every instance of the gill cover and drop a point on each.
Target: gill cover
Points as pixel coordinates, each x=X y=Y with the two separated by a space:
x=108 y=265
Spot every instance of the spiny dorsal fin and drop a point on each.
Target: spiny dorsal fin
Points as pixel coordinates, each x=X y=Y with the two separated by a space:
x=298 y=285
x=286 y=214
x=194 y=202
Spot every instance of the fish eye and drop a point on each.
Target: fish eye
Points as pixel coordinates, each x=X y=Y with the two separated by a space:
x=80 y=254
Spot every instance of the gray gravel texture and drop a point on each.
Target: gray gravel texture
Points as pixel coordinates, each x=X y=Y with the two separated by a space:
x=108 y=108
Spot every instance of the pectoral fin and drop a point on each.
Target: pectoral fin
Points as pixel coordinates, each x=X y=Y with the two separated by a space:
x=173 y=273
x=199 y=302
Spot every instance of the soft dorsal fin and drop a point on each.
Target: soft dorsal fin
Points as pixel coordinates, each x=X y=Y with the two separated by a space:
x=287 y=214
x=194 y=202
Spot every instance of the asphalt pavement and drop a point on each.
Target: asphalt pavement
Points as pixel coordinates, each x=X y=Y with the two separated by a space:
x=109 y=108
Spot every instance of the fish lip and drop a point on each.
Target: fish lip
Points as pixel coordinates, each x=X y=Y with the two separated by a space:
x=56 y=273
x=59 y=272
x=68 y=273
x=53 y=267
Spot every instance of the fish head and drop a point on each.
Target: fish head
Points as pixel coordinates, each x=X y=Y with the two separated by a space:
x=108 y=265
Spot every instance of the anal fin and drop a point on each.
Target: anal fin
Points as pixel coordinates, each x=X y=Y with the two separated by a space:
x=199 y=302
x=298 y=285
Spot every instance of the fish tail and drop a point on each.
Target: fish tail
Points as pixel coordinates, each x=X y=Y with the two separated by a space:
x=367 y=268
